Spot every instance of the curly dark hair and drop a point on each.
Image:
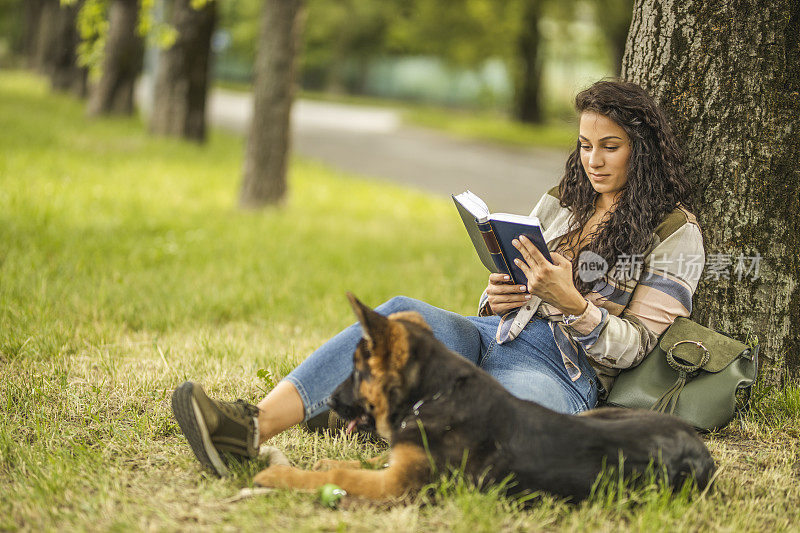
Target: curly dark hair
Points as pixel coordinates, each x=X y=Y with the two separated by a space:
x=656 y=183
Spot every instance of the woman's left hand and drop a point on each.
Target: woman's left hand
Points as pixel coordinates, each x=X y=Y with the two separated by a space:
x=552 y=282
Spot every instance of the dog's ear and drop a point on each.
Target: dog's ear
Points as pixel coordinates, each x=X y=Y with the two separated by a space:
x=374 y=325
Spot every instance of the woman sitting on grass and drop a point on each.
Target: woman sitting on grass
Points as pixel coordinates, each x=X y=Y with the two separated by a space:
x=623 y=203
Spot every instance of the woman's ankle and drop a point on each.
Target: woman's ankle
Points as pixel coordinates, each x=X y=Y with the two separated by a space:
x=281 y=409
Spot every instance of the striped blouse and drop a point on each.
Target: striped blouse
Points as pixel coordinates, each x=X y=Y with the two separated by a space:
x=629 y=307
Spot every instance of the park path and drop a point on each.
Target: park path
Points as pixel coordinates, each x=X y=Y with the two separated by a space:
x=373 y=142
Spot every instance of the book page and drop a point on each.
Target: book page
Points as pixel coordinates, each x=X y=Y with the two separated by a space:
x=517 y=219
x=473 y=204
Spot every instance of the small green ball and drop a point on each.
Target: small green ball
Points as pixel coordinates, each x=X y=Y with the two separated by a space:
x=330 y=494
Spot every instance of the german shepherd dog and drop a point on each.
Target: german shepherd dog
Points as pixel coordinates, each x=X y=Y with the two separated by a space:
x=437 y=410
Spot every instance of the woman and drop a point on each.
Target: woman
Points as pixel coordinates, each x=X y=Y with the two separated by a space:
x=627 y=258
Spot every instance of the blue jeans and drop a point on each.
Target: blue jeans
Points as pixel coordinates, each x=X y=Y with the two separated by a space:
x=529 y=367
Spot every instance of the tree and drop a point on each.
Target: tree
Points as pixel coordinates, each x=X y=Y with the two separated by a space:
x=64 y=71
x=273 y=91
x=179 y=102
x=527 y=86
x=27 y=38
x=51 y=44
x=42 y=16
x=122 y=61
x=728 y=75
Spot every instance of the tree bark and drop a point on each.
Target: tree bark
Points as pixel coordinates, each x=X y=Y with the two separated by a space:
x=64 y=71
x=53 y=44
x=527 y=97
x=179 y=103
x=32 y=13
x=45 y=45
x=728 y=75
x=268 y=142
x=122 y=61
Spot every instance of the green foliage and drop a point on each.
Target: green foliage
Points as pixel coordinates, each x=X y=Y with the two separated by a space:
x=92 y=24
x=463 y=32
x=158 y=32
x=268 y=377
x=92 y=28
x=353 y=46
x=241 y=18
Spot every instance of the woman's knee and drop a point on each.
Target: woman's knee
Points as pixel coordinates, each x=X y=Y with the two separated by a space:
x=400 y=303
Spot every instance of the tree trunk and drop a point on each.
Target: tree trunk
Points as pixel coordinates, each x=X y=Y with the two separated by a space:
x=527 y=101
x=728 y=75
x=179 y=103
x=53 y=42
x=31 y=17
x=122 y=61
x=45 y=45
x=64 y=71
x=268 y=142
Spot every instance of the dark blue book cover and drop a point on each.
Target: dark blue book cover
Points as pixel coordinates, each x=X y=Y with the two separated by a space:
x=505 y=232
x=491 y=235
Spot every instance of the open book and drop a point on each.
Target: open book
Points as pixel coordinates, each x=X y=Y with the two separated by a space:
x=491 y=235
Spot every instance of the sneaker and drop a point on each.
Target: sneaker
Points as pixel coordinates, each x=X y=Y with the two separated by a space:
x=213 y=426
x=327 y=420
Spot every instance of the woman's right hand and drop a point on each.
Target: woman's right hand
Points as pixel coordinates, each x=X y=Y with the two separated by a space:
x=504 y=296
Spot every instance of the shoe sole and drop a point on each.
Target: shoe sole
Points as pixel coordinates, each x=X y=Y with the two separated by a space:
x=190 y=420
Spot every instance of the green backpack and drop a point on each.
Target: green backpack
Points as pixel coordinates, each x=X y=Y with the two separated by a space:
x=693 y=372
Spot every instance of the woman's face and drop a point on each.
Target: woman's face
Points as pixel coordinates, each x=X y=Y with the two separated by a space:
x=605 y=150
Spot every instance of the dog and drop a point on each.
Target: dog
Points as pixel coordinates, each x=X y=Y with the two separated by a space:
x=438 y=411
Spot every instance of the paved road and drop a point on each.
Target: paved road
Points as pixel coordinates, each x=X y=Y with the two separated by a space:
x=373 y=142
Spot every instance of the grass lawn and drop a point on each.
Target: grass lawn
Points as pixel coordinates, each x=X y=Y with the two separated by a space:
x=125 y=268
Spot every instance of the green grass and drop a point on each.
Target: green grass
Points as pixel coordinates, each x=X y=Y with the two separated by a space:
x=494 y=127
x=478 y=125
x=125 y=268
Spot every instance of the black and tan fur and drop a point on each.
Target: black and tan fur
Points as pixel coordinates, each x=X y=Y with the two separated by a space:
x=417 y=393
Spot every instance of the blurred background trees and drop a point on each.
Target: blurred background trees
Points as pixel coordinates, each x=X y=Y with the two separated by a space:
x=267 y=147
x=461 y=53
x=505 y=55
x=54 y=51
x=182 y=71
x=123 y=55
x=521 y=58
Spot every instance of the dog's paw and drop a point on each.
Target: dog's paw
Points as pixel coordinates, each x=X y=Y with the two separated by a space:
x=325 y=464
x=274 y=476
